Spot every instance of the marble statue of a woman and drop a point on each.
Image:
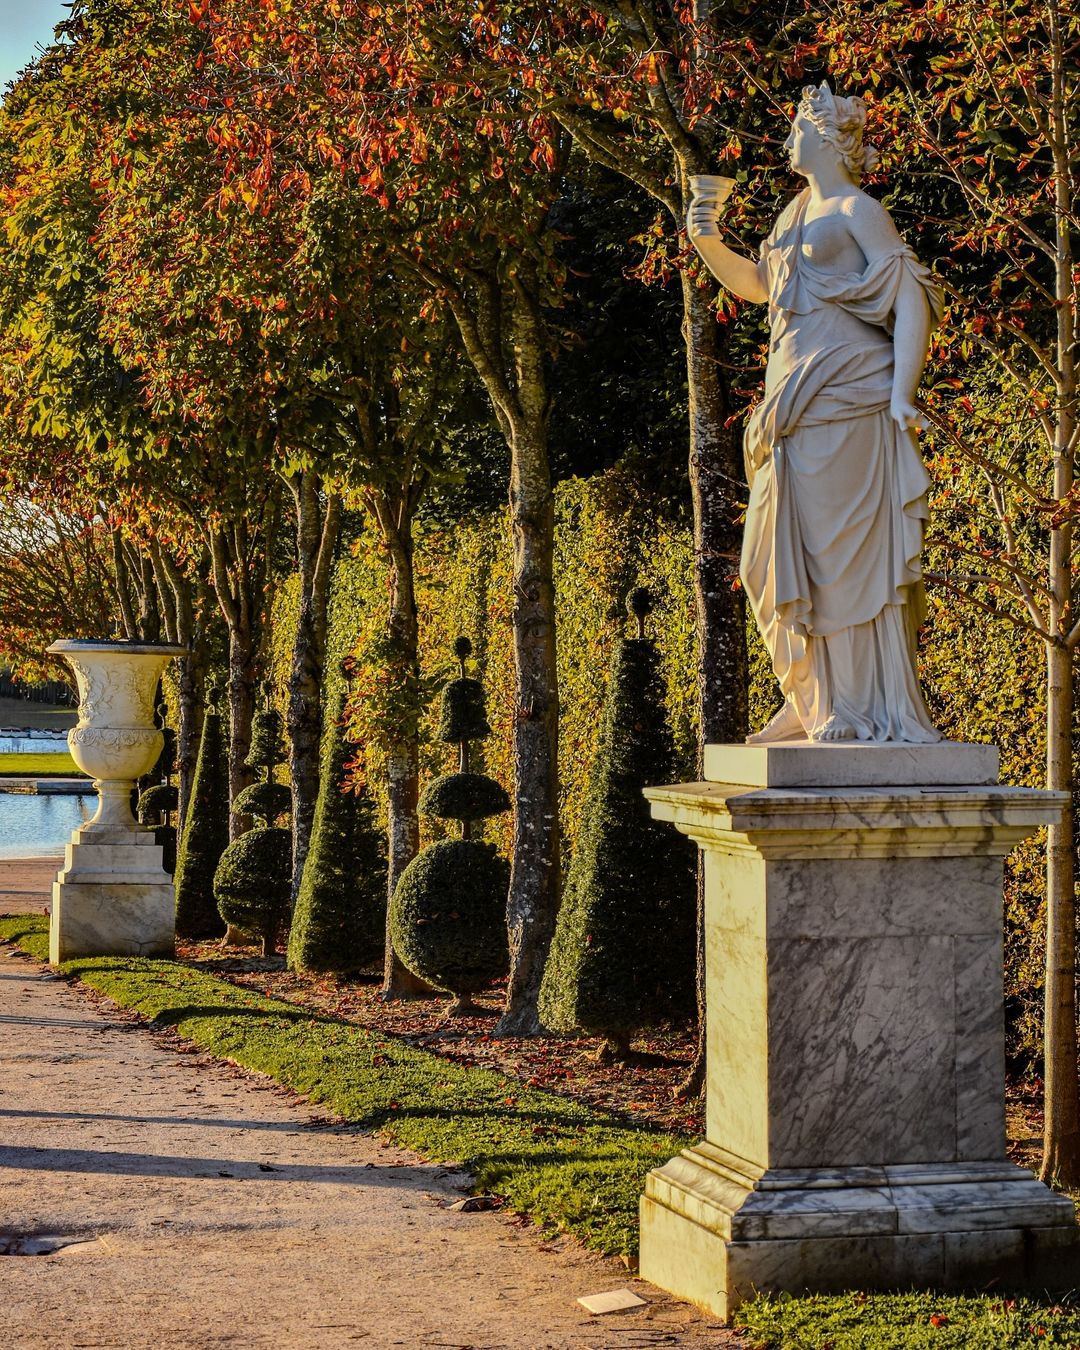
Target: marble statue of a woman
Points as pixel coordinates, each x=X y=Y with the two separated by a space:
x=834 y=530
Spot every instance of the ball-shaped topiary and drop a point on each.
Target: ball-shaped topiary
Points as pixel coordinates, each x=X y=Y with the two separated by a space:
x=464 y=796
x=448 y=916
x=156 y=802
x=623 y=951
x=264 y=801
x=339 y=921
x=253 y=881
x=205 y=835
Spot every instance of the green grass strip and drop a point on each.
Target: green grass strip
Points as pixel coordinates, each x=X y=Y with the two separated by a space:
x=568 y=1167
x=565 y=1165
x=920 y=1321
x=47 y=764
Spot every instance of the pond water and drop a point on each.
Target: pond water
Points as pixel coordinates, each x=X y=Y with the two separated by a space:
x=32 y=742
x=39 y=827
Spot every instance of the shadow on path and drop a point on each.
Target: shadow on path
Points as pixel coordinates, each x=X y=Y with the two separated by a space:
x=281 y=1126
x=158 y=1165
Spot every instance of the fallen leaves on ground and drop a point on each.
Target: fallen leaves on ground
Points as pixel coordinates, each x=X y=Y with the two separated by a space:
x=643 y=1090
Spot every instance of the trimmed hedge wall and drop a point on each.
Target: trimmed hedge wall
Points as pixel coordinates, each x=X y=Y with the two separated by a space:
x=983 y=681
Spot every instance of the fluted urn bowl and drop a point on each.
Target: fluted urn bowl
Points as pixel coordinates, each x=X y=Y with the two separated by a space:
x=115 y=740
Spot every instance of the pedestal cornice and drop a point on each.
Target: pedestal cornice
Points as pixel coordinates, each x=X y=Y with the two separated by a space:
x=862 y=822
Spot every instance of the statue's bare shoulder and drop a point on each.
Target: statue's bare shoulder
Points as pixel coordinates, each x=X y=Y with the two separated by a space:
x=870 y=224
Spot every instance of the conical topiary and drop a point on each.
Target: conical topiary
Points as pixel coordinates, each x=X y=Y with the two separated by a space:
x=253 y=880
x=205 y=833
x=623 y=951
x=339 y=920
x=448 y=913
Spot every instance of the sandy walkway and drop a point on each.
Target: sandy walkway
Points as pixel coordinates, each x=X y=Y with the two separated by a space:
x=206 y=1208
x=26 y=884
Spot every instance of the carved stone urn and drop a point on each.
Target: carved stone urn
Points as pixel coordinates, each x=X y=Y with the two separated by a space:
x=115 y=740
x=112 y=897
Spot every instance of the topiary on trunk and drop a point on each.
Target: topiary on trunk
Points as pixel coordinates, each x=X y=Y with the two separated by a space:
x=253 y=880
x=339 y=921
x=155 y=807
x=448 y=917
x=158 y=798
x=623 y=951
x=205 y=833
x=448 y=913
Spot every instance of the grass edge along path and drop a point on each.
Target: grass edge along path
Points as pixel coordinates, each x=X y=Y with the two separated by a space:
x=565 y=1165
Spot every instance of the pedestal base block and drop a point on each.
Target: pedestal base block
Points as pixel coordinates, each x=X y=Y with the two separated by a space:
x=112 y=898
x=716 y=1234
x=855 y=1103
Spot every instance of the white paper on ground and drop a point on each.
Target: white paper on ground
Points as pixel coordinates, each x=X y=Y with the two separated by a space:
x=615 y=1301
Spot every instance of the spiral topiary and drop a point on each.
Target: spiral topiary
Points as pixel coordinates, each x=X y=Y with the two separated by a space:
x=623 y=951
x=448 y=913
x=253 y=881
x=339 y=922
x=205 y=833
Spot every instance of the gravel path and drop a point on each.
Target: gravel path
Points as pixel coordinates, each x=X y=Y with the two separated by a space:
x=26 y=884
x=206 y=1207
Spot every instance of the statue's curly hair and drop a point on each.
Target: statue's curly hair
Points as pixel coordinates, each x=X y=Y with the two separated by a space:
x=840 y=121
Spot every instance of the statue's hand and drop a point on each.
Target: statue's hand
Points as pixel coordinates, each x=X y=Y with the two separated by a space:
x=905 y=414
x=702 y=217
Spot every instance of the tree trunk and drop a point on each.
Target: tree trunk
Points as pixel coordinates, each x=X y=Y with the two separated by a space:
x=1061 y=1156
x=717 y=486
x=241 y=691
x=316 y=539
x=238 y=582
x=718 y=490
x=1061 y=1108
x=123 y=587
x=534 y=879
x=190 y=693
x=403 y=760
x=188 y=731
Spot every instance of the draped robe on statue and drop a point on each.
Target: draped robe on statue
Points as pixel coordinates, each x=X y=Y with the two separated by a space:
x=834 y=529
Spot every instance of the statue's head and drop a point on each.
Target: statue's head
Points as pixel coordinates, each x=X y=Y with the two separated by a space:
x=826 y=124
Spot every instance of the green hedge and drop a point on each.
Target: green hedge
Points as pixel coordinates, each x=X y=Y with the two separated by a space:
x=983 y=679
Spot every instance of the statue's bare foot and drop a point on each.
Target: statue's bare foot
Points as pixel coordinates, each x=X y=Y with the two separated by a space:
x=835 y=729
x=785 y=726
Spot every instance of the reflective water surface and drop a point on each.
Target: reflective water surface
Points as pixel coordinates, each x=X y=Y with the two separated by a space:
x=39 y=827
x=32 y=742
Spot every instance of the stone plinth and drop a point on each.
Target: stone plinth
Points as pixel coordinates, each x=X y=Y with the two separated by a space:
x=855 y=1128
x=112 y=897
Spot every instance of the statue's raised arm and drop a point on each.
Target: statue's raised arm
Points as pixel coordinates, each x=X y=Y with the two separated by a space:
x=834 y=529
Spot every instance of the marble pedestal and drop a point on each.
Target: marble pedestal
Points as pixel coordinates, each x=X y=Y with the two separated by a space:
x=112 y=897
x=855 y=1127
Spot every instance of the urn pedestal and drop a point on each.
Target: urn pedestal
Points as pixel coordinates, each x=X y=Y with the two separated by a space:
x=112 y=897
x=855 y=1126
